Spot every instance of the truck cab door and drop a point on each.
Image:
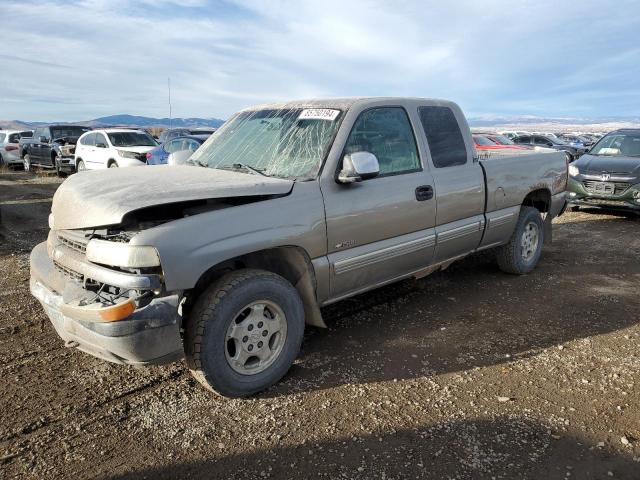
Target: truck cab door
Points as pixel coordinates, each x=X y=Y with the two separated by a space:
x=459 y=183
x=381 y=228
x=36 y=145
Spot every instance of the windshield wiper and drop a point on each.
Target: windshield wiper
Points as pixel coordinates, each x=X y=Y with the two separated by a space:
x=242 y=166
x=196 y=162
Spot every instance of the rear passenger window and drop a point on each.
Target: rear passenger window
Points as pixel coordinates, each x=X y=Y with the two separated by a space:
x=522 y=139
x=89 y=139
x=446 y=143
x=386 y=132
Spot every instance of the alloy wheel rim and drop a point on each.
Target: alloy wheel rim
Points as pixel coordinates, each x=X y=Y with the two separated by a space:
x=529 y=241
x=255 y=337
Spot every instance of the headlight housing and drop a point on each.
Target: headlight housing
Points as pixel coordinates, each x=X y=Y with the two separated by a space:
x=118 y=254
x=573 y=171
x=128 y=154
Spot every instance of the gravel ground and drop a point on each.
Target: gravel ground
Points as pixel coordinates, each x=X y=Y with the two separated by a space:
x=468 y=373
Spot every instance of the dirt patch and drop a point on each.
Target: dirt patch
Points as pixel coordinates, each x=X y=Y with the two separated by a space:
x=468 y=373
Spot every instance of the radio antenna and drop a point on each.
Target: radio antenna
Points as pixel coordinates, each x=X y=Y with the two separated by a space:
x=169 y=85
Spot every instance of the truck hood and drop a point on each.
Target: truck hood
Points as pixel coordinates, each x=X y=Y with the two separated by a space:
x=615 y=164
x=98 y=198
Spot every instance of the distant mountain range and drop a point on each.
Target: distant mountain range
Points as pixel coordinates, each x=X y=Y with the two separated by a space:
x=495 y=120
x=123 y=120
x=480 y=121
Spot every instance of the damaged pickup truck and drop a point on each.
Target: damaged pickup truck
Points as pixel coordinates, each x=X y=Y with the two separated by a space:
x=285 y=209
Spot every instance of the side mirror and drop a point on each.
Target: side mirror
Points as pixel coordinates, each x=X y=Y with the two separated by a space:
x=358 y=166
x=42 y=139
x=179 y=158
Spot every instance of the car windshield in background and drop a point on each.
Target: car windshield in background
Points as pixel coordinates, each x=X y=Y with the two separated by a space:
x=618 y=144
x=483 y=141
x=62 y=132
x=504 y=140
x=131 y=139
x=286 y=143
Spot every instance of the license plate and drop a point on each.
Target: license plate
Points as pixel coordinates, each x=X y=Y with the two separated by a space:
x=604 y=187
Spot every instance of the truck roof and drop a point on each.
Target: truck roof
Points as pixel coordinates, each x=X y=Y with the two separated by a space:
x=344 y=103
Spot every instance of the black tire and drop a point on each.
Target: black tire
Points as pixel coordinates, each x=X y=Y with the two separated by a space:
x=113 y=164
x=80 y=166
x=56 y=163
x=207 y=325
x=1 y=160
x=26 y=163
x=511 y=257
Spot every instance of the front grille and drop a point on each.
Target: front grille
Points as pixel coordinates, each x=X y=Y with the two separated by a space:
x=607 y=188
x=75 y=242
x=68 y=272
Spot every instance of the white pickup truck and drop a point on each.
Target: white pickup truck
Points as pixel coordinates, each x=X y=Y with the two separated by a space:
x=285 y=209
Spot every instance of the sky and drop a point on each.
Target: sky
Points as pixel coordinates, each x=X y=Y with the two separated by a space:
x=79 y=60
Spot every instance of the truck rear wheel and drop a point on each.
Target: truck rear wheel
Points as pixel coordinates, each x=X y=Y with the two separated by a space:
x=244 y=332
x=26 y=161
x=522 y=253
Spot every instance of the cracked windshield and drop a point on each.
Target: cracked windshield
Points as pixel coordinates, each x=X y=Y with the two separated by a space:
x=285 y=143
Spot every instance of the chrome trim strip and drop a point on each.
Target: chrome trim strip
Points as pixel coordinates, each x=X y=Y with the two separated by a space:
x=75 y=261
x=387 y=253
x=501 y=220
x=458 y=232
x=611 y=179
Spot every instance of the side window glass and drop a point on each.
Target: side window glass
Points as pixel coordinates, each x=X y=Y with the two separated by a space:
x=101 y=139
x=193 y=145
x=173 y=146
x=89 y=140
x=2 y=135
x=386 y=132
x=446 y=143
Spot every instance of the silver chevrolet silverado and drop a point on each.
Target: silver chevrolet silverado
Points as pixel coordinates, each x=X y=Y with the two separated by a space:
x=285 y=209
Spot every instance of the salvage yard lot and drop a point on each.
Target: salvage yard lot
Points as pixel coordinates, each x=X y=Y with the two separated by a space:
x=468 y=373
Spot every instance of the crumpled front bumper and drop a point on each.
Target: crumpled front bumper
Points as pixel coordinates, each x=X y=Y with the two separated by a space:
x=151 y=335
x=628 y=200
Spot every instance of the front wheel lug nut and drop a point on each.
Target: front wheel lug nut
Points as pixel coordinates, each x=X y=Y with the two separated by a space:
x=265 y=333
x=260 y=324
x=250 y=347
x=245 y=339
x=259 y=344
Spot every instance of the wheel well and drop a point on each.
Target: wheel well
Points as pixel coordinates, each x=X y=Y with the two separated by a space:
x=291 y=263
x=540 y=199
x=110 y=161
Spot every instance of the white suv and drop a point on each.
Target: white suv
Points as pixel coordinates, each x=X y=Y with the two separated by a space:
x=113 y=147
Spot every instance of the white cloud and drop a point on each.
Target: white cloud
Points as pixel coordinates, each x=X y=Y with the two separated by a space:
x=489 y=56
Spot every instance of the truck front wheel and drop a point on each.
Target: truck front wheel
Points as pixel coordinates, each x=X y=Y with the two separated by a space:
x=26 y=162
x=244 y=332
x=521 y=254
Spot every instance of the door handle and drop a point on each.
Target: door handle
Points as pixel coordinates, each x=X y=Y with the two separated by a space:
x=424 y=192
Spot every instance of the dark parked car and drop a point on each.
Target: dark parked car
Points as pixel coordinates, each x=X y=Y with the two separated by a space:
x=52 y=147
x=609 y=175
x=551 y=142
x=160 y=154
x=577 y=140
x=171 y=133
